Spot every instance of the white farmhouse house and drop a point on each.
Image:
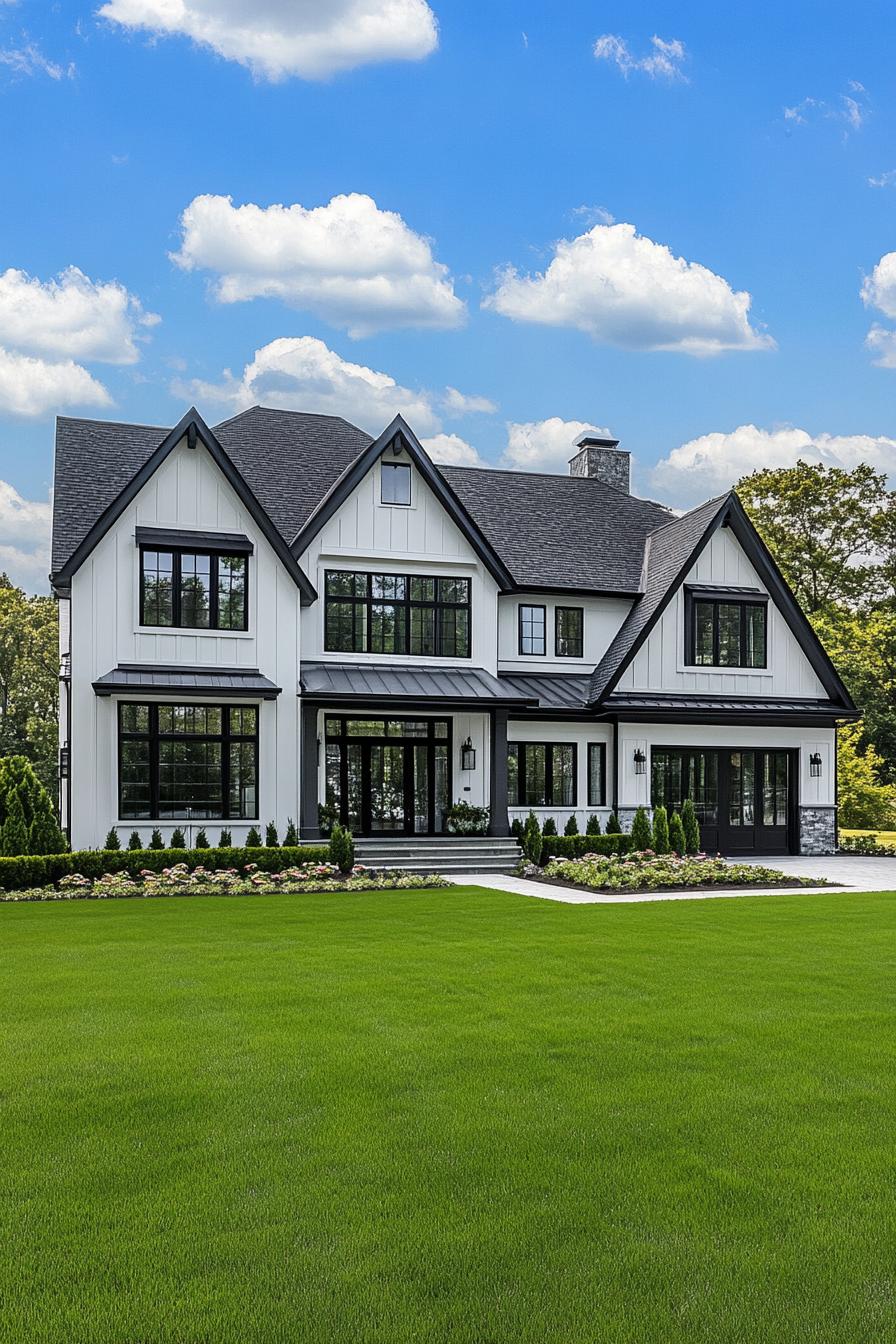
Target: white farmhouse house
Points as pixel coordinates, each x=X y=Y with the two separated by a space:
x=281 y=613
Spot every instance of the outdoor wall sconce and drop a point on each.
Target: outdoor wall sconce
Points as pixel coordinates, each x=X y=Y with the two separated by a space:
x=468 y=756
x=63 y=762
x=640 y=762
x=815 y=765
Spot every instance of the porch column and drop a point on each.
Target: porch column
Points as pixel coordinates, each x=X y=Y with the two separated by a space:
x=309 y=824
x=499 y=823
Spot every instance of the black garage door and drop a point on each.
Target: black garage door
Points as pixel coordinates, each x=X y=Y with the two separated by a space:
x=744 y=799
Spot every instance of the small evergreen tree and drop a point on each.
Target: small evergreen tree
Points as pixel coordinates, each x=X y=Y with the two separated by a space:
x=516 y=828
x=14 y=832
x=676 y=834
x=661 y=830
x=201 y=841
x=572 y=826
x=178 y=839
x=134 y=841
x=112 y=841
x=224 y=840
x=691 y=827
x=45 y=837
x=253 y=839
x=531 y=841
x=155 y=840
x=549 y=827
x=613 y=827
x=41 y=827
x=291 y=835
x=642 y=837
x=593 y=826
x=342 y=848
x=271 y=839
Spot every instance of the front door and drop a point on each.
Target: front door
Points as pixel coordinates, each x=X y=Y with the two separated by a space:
x=389 y=776
x=743 y=798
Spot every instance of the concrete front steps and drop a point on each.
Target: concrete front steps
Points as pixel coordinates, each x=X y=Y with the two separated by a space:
x=450 y=854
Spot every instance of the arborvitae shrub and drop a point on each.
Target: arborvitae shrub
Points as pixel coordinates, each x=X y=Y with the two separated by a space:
x=38 y=830
x=676 y=833
x=342 y=848
x=253 y=839
x=593 y=826
x=549 y=827
x=134 y=841
x=271 y=839
x=201 y=841
x=691 y=827
x=112 y=841
x=291 y=835
x=516 y=828
x=225 y=840
x=177 y=840
x=642 y=837
x=661 y=830
x=531 y=841
x=572 y=826
x=14 y=838
x=155 y=840
x=613 y=827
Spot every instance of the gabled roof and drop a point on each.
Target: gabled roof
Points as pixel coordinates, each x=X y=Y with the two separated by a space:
x=668 y=556
x=194 y=428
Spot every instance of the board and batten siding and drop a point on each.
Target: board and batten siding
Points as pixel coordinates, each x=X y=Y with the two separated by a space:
x=602 y=618
x=187 y=491
x=660 y=663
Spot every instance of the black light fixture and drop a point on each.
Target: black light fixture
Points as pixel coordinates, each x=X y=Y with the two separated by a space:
x=640 y=761
x=815 y=764
x=63 y=762
x=468 y=755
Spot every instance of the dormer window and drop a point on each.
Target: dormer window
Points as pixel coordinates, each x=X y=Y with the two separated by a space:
x=191 y=587
x=726 y=627
x=395 y=483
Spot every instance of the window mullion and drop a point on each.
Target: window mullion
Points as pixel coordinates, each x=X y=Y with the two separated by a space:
x=213 y=595
x=154 y=761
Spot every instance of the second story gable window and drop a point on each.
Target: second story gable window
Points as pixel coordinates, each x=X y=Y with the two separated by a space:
x=725 y=628
x=193 y=590
x=533 y=630
x=397 y=613
x=569 y=625
x=395 y=483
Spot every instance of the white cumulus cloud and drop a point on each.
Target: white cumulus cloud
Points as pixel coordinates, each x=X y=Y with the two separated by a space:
x=312 y=39
x=712 y=463
x=356 y=266
x=879 y=291
x=452 y=450
x=71 y=315
x=33 y=387
x=458 y=403
x=663 y=61
x=545 y=445
x=24 y=538
x=624 y=289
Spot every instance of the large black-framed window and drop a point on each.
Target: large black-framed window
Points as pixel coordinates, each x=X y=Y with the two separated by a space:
x=187 y=762
x=725 y=629
x=396 y=613
x=597 y=774
x=193 y=590
x=541 y=774
x=533 y=630
x=569 y=631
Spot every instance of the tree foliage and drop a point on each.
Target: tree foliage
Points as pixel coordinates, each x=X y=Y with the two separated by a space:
x=29 y=680
x=864 y=799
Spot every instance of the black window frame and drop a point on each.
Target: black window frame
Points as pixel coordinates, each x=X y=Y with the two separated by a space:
x=517 y=749
x=601 y=749
x=580 y=612
x=214 y=556
x=438 y=605
x=396 y=503
x=154 y=737
x=532 y=606
x=719 y=597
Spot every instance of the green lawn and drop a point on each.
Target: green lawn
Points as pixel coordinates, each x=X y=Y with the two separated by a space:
x=458 y=1116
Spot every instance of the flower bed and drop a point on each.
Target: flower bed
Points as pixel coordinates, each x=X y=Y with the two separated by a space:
x=181 y=880
x=867 y=844
x=647 y=871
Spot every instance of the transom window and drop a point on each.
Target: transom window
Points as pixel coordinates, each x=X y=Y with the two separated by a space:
x=725 y=630
x=397 y=613
x=195 y=590
x=395 y=483
x=569 y=623
x=533 y=630
x=187 y=762
x=541 y=774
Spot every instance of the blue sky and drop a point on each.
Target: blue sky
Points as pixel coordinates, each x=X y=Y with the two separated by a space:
x=740 y=143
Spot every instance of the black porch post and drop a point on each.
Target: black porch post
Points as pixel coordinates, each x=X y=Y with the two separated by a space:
x=499 y=823
x=309 y=824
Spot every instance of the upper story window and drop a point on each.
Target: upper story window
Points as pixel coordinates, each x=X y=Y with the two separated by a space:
x=395 y=483
x=193 y=590
x=533 y=630
x=569 y=625
x=397 y=613
x=725 y=628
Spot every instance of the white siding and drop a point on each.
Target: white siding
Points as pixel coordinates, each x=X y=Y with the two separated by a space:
x=602 y=618
x=547 y=730
x=660 y=663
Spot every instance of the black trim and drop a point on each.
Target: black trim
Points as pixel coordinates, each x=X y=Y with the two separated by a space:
x=517 y=749
x=177 y=623
x=581 y=645
x=717 y=597
x=532 y=606
x=193 y=427
x=601 y=749
x=182 y=538
x=353 y=475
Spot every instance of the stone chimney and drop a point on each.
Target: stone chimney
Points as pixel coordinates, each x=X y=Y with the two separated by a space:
x=602 y=460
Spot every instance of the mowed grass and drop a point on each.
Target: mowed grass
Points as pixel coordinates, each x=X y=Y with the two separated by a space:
x=459 y=1116
x=883 y=837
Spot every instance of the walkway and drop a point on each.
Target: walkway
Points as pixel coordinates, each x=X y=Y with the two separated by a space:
x=849 y=871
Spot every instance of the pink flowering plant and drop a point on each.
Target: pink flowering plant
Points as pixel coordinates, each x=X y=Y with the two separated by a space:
x=644 y=870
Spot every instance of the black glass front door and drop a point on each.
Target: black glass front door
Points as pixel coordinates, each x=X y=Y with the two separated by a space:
x=743 y=799
x=389 y=776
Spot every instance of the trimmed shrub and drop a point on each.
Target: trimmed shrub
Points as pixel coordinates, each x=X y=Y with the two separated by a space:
x=33 y=827
x=291 y=836
x=155 y=840
x=691 y=827
x=642 y=834
x=41 y=870
x=676 y=834
x=342 y=848
x=177 y=840
x=271 y=838
x=225 y=840
x=516 y=828
x=661 y=831
x=613 y=827
x=575 y=846
x=14 y=837
x=572 y=826
x=201 y=841
x=112 y=840
x=549 y=827
x=134 y=841
x=593 y=825
x=253 y=839
x=530 y=843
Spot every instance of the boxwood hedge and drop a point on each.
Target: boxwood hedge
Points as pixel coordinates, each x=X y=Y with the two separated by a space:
x=42 y=870
x=574 y=846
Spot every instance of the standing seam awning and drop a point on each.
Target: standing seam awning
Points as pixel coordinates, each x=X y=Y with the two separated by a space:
x=232 y=681
x=371 y=682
